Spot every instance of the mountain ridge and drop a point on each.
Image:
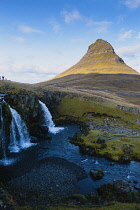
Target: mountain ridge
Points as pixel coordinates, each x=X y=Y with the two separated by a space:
x=101 y=59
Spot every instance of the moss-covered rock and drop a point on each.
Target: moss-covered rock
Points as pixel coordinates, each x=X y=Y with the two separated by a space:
x=96 y=174
x=7 y=118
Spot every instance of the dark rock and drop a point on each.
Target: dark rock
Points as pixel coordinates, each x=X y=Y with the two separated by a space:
x=100 y=140
x=135 y=182
x=136 y=187
x=135 y=110
x=120 y=191
x=103 y=146
x=96 y=174
x=112 y=164
x=122 y=186
x=137 y=121
x=125 y=159
x=33 y=139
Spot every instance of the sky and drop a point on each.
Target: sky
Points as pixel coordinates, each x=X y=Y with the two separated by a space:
x=42 y=38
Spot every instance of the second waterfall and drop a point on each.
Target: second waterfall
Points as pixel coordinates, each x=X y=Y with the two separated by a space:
x=47 y=117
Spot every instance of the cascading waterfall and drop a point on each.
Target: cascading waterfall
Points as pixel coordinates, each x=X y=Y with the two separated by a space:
x=19 y=136
x=48 y=119
x=5 y=160
x=2 y=134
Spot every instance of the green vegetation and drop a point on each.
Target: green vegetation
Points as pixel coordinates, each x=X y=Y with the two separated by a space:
x=96 y=142
x=100 y=59
x=110 y=146
x=97 y=110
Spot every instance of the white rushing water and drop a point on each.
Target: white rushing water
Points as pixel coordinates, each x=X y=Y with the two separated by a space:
x=5 y=160
x=19 y=136
x=48 y=119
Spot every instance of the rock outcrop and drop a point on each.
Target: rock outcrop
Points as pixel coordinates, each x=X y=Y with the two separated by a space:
x=27 y=105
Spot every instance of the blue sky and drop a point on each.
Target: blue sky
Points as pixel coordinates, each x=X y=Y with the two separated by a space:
x=41 y=38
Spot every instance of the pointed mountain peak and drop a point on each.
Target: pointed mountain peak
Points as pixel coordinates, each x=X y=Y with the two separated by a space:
x=100 y=59
x=100 y=46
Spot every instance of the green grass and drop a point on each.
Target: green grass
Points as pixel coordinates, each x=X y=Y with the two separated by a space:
x=114 y=145
x=94 y=110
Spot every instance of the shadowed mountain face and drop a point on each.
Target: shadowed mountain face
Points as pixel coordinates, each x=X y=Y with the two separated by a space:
x=100 y=59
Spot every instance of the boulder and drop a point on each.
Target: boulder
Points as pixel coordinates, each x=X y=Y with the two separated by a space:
x=122 y=186
x=136 y=187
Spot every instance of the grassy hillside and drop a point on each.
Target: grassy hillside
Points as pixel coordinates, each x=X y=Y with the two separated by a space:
x=100 y=58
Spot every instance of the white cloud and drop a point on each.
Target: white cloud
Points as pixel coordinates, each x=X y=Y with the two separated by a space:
x=138 y=37
x=133 y=4
x=30 y=73
x=19 y=39
x=72 y=16
x=129 y=51
x=56 y=26
x=100 y=25
x=28 y=29
x=131 y=55
x=126 y=35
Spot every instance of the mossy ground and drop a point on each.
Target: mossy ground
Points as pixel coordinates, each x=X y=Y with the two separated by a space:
x=116 y=145
x=98 y=111
x=88 y=109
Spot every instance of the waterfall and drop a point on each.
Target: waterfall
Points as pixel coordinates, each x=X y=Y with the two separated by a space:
x=2 y=133
x=19 y=136
x=5 y=160
x=47 y=117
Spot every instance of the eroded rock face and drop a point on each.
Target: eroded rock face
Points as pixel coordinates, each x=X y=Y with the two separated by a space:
x=122 y=186
x=28 y=107
x=134 y=110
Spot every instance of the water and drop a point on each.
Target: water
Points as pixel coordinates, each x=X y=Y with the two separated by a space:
x=2 y=134
x=47 y=117
x=60 y=146
x=5 y=160
x=19 y=136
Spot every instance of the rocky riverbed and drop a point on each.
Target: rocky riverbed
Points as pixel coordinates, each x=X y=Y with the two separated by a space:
x=51 y=180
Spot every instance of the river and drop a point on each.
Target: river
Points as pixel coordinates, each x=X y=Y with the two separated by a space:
x=59 y=146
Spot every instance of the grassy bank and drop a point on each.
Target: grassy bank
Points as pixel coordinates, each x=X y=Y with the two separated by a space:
x=101 y=113
x=114 y=147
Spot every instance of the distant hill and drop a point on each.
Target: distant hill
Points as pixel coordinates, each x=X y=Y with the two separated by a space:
x=100 y=59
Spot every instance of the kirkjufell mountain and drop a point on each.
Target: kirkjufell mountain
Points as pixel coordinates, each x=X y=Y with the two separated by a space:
x=101 y=59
